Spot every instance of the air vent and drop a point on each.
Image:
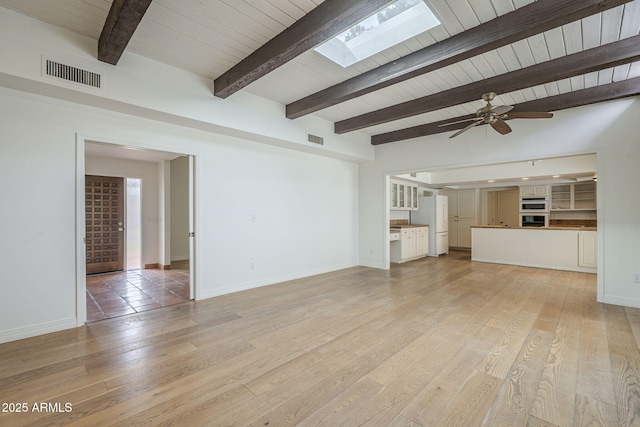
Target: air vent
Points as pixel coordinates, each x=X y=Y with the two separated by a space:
x=72 y=74
x=315 y=139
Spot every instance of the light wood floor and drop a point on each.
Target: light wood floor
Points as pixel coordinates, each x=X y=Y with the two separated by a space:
x=435 y=342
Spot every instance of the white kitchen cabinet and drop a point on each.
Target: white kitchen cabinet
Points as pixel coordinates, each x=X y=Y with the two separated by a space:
x=404 y=196
x=463 y=213
x=413 y=244
x=422 y=241
x=588 y=249
x=534 y=191
x=464 y=232
x=579 y=196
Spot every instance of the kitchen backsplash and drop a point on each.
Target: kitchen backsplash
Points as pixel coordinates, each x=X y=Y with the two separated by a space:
x=573 y=222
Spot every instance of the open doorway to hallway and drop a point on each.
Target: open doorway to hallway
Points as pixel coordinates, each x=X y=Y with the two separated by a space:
x=126 y=292
x=155 y=227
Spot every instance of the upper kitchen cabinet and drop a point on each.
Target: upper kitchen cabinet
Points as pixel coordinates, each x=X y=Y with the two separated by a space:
x=404 y=196
x=579 y=196
x=534 y=191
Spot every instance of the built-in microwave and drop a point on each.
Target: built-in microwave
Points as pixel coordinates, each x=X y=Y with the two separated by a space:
x=534 y=220
x=534 y=205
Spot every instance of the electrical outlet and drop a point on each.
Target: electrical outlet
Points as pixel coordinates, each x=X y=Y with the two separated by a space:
x=636 y=277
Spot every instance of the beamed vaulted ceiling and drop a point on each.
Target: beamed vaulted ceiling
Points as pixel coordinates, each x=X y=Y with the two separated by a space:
x=543 y=55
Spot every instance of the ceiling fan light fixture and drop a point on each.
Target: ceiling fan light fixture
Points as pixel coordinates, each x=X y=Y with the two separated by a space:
x=495 y=116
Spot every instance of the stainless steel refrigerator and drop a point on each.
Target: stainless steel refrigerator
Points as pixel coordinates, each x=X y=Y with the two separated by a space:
x=434 y=211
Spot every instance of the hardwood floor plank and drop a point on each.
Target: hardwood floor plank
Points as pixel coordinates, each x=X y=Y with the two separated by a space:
x=634 y=322
x=625 y=365
x=437 y=341
x=352 y=402
x=594 y=367
x=516 y=395
x=555 y=397
x=501 y=357
x=441 y=391
x=308 y=400
x=592 y=412
x=470 y=405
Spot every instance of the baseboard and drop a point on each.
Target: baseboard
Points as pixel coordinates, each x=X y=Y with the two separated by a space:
x=151 y=266
x=39 y=329
x=547 y=267
x=239 y=287
x=625 y=302
x=377 y=265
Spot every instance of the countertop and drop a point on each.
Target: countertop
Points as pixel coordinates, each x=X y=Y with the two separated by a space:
x=398 y=227
x=566 y=227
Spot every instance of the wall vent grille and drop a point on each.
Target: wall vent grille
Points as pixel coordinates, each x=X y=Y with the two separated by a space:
x=72 y=74
x=315 y=139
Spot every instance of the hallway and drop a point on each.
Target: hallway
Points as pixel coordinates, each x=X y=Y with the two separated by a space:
x=126 y=292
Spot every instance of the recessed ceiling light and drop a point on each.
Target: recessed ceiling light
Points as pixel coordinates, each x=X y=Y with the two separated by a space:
x=491 y=180
x=556 y=176
x=524 y=179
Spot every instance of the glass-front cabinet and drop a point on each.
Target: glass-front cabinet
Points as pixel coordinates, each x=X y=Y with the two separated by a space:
x=561 y=197
x=574 y=197
x=404 y=196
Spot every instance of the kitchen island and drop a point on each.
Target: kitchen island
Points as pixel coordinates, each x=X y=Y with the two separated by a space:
x=560 y=248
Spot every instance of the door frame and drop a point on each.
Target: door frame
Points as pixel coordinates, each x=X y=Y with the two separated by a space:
x=81 y=282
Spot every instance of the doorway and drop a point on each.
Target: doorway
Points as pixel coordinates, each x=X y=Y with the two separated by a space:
x=144 y=279
x=502 y=207
x=134 y=224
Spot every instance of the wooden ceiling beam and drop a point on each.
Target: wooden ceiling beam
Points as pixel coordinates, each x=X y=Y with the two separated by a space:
x=326 y=21
x=610 y=55
x=122 y=21
x=534 y=18
x=608 y=92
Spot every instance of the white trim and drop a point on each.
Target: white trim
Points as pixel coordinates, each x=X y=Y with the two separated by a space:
x=622 y=301
x=546 y=267
x=35 y=330
x=238 y=287
x=81 y=274
x=193 y=221
x=81 y=249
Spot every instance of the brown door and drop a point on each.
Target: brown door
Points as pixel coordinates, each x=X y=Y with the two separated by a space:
x=104 y=212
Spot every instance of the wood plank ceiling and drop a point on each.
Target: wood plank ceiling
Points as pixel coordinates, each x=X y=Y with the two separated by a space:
x=537 y=59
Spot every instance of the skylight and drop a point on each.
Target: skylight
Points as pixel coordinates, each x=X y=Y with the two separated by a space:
x=394 y=24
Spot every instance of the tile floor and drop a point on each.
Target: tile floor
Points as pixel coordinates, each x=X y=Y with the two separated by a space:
x=126 y=292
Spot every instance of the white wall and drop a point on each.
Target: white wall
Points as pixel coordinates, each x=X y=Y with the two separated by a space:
x=151 y=217
x=304 y=206
x=270 y=206
x=142 y=87
x=611 y=130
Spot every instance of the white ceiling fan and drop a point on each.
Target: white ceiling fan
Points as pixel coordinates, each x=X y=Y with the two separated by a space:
x=495 y=115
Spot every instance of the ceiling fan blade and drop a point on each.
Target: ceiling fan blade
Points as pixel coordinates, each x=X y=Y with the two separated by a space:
x=501 y=109
x=500 y=126
x=459 y=121
x=465 y=129
x=528 y=115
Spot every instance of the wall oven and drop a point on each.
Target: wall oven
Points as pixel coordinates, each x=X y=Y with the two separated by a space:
x=534 y=205
x=534 y=220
